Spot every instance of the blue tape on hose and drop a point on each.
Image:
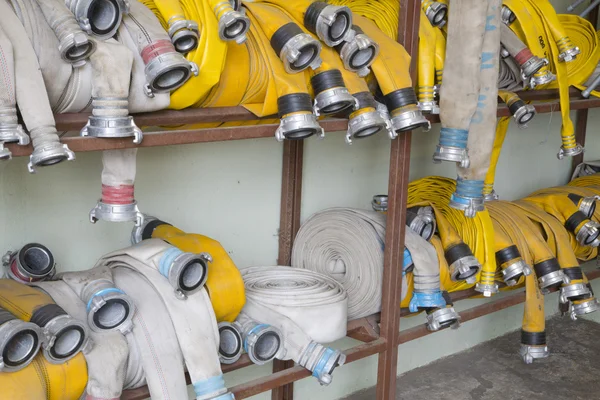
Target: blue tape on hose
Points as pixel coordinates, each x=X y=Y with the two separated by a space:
x=318 y=371
x=101 y=293
x=256 y=327
x=209 y=385
x=450 y=137
x=426 y=300
x=467 y=189
x=408 y=261
x=164 y=265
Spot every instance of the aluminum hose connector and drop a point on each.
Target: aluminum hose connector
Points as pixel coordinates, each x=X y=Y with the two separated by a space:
x=404 y=111
x=98 y=18
x=435 y=12
x=507 y=16
x=468 y=197
x=583 y=307
x=74 y=45
x=366 y=120
x=462 y=264
x=110 y=119
x=108 y=210
x=230 y=342
x=421 y=220
x=31 y=263
x=512 y=264
x=550 y=275
x=586 y=231
x=166 y=69
x=186 y=272
x=331 y=94
x=358 y=51
x=183 y=33
x=332 y=24
x=47 y=149
x=10 y=129
x=533 y=346
x=296 y=49
x=442 y=318
x=108 y=308
x=262 y=342
x=380 y=202
x=587 y=205
x=233 y=24
x=19 y=342
x=297 y=120
x=321 y=361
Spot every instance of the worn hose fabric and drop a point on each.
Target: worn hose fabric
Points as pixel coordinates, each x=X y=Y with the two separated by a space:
x=346 y=244
x=118 y=176
x=107 y=359
x=9 y=126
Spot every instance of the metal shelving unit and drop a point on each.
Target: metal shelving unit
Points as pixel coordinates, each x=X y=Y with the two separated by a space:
x=379 y=333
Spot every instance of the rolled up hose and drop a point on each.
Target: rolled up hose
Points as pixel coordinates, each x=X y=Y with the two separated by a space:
x=183 y=32
x=166 y=69
x=224 y=281
x=31 y=263
x=391 y=68
x=107 y=358
x=20 y=341
x=462 y=68
x=32 y=98
x=111 y=64
x=296 y=49
x=308 y=307
x=118 y=203
x=108 y=308
x=202 y=362
x=346 y=244
x=43 y=380
x=10 y=129
x=63 y=336
x=98 y=18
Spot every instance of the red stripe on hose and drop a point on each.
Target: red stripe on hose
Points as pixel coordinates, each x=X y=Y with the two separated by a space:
x=117 y=194
x=523 y=56
x=15 y=270
x=157 y=48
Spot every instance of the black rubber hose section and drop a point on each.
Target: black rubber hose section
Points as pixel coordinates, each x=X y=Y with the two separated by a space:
x=312 y=15
x=294 y=102
x=150 y=227
x=574 y=273
x=5 y=316
x=507 y=254
x=365 y=100
x=400 y=98
x=44 y=314
x=575 y=198
x=546 y=267
x=327 y=80
x=284 y=35
x=574 y=221
x=514 y=107
x=533 y=338
x=457 y=252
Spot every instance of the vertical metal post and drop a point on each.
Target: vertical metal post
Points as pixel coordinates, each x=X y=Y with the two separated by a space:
x=289 y=223
x=408 y=35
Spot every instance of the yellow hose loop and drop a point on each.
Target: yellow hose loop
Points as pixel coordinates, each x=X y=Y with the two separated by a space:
x=384 y=13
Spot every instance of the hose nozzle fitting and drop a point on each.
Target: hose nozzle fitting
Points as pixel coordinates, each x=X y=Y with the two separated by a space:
x=521 y=112
x=430 y=107
x=564 y=152
x=365 y=122
x=513 y=272
x=183 y=33
x=426 y=300
x=296 y=49
x=507 y=16
x=380 y=202
x=233 y=24
x=550 y=275
x=586 y=231
x=568 y=52
x=321 y=361
x=31 y=263
x=63 y=336
x=468 y=197
x=462 y=264
x=100 y=18
x=50 y=153
x=530 y=353
x=542 y=77
x=530 y=66
x=138 y=231
x=436 y=13
x=73 y=44
x=452 y=147
x=166 y=69
x=230 y=342
x=331 y=94
x=10 y=129
x=331 y=24
x=297 y=120
x=574 y=292
x=19 y=342
x=262 y=342
x=404 y=112
x=186 y=272
x=443 y=318
x=108 y=308
x=583 y=307
x=110 y=119
x=422 y=221
x=486 y=285
x=358 y=51
x=587 y=205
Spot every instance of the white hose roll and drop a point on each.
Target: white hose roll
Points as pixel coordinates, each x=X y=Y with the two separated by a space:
x=10 y=129
x=193 y=317
x=155 y=337
x=317 y=303
x=55 y=70
x=138 y=100
x=135 y=377
x=347 y=244
x=108 y=356
x=32 y=97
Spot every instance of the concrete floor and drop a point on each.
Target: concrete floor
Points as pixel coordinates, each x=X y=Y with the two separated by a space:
x=494 y=370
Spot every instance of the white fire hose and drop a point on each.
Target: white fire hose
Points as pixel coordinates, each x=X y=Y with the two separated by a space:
x=346 y=244
x=192 y=315
x=307 y=307
x=32 y=97
x=107 y=359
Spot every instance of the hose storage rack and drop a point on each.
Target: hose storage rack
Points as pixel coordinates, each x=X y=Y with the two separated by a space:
x=378 y=333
